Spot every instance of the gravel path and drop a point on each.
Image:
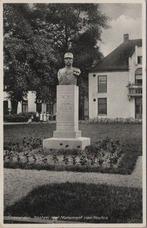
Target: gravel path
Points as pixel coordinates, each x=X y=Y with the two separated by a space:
x=18 y=182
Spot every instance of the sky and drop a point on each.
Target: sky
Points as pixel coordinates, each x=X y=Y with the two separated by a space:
x=124 y=18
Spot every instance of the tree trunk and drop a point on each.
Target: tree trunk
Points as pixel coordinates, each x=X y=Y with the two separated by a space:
x=14 y=105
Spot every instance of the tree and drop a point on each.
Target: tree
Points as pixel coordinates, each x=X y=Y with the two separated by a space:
x=36 y=38
x=74 y=27
x=28 y=58
x=77 y=27
x=15 y=48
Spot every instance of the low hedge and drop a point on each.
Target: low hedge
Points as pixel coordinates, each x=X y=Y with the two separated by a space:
x=21 y=117
x=15 y=118
x=114 y=120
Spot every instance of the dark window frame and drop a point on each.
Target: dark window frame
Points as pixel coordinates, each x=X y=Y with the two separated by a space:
x=139 y=59
x=138 y=81
x=100 y=109
x=100 y=88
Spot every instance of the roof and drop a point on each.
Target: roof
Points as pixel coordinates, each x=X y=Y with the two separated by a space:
x=117 y=60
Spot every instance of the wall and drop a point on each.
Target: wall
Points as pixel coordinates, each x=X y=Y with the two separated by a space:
x=31 y=101
x=133 y=65
x=43 y=108
x=118 y=104
x=31 y=96
x=19 y=107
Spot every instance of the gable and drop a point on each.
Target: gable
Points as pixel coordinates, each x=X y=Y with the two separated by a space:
x=117 y=60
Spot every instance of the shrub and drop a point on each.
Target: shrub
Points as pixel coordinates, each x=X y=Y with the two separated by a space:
x=21 y=117
x=114 y=120
x=15 y=118
x=32 y=142
x=29 y=115
x=28 y=143
x=64 y=152
x=83 y=160
x=11 y=146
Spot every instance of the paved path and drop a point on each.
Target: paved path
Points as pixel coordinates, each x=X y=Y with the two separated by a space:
x=18 y=182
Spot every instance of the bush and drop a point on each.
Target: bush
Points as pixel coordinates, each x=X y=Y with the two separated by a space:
x=21 y=117
x=29 y=115
x=114 y=120
x=15 y=118
x=28 y=143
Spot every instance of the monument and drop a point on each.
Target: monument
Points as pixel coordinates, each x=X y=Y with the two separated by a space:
x=67 y=134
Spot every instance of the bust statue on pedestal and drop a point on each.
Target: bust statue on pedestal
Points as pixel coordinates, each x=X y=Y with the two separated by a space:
x=68 y=75
x=67 y=134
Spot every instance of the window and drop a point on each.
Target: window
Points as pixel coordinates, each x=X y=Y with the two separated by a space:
x=138 y=107
x=138 y=80
x=138 y=76
x=102 y=84
x=25 y=106
x=102 y=106
x=139 y=59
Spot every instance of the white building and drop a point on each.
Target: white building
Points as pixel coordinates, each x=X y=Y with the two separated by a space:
x=115 y=86
x=115 y=83
x=29 y=104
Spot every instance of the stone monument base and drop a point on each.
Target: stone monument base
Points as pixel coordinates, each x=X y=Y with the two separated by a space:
x=66 y=143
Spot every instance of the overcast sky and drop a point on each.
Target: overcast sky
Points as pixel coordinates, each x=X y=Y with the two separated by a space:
x=125 y=18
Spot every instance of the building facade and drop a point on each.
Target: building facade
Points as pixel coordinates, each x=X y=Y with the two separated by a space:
x=115 y=84
x=30 y=104
x=115 y=87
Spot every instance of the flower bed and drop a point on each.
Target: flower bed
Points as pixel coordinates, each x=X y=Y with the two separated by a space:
x=104 y=156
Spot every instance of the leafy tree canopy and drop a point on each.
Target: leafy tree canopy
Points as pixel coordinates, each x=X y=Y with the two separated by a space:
x=36 y=37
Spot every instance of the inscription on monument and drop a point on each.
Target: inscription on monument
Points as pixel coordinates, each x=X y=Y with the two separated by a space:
x=65 y=108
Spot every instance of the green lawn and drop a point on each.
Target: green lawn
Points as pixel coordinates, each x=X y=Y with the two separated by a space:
x=104 y=204
x=126 y=133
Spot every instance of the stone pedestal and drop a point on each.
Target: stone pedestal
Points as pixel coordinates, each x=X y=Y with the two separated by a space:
x=67 y=134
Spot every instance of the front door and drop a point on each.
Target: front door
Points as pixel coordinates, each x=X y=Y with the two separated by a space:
x=138 y=107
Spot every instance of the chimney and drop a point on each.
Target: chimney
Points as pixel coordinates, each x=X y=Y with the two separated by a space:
x=126 y=37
